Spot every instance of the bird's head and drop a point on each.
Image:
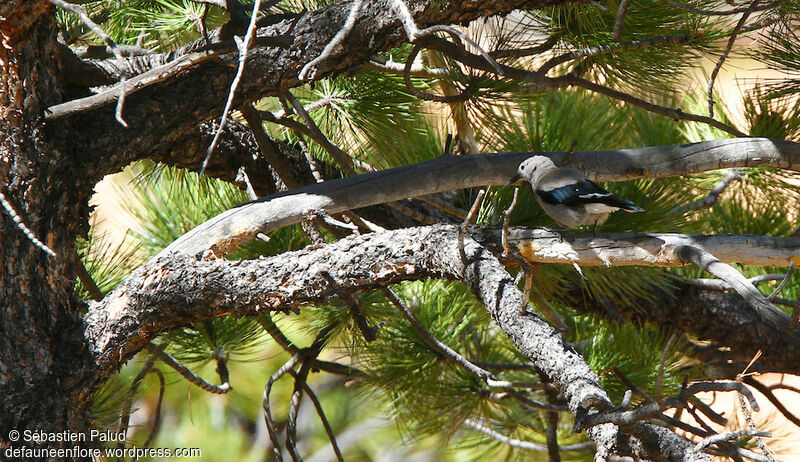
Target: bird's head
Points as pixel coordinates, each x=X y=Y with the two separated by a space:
x=530 y=168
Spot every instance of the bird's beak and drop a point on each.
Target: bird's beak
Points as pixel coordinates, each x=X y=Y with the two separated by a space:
x=515 y=179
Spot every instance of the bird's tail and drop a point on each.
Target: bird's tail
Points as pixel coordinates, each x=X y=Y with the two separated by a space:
x=632 y=208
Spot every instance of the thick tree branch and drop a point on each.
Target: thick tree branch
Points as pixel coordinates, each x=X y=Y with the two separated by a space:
x=642 y=249
x=229 y=229
x=153 y=110
x=175 y=290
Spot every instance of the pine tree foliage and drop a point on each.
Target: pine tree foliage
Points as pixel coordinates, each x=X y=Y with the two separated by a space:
x=374 y=118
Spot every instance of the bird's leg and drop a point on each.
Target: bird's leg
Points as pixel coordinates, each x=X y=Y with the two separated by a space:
x=594 y=229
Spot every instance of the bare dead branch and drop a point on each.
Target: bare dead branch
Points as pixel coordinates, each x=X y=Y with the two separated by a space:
x=731 y=175
x=158 y=74
x=734 y=435
x=641 y=249
x=708 y=262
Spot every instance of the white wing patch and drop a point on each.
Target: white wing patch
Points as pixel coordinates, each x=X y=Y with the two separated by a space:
x=593 y=196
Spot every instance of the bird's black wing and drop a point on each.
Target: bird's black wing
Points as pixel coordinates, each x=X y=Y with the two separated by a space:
x=583 y=192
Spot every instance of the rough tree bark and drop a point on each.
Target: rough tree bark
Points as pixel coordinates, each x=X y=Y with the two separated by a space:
x=43 y=355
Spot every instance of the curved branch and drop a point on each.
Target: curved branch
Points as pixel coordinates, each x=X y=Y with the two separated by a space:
x=172 y=291
x=229 y=229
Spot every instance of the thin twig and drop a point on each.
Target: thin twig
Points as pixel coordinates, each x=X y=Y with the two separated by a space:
x=456 y=98
x=462 y=230
x=443 y=206
x=85 y=278
x=309 y=70
x=622 y=417
x=355 y=306
x=267 y=147
x=300 y=378
x=764 y=390
x=688 y=7
x=341 y=157
x=300 y=384
x=514 y=443
x=378 y=63
x=731 y=175
x=522 y=52
x=603 y=49
x=186 y=372
x=273 y=434
x=620 y=20
x=21 y=225
x=783 y=283
x=541 y=82
x=454 y=356
x=507 y=221
x=125 y=415
x=662 y=365
x=632 y=386
x=325 y=423
x=269 y=325
x=526 y=293
x=724 y=55
x=156 y=426
x=748 y=416
x=243 y=46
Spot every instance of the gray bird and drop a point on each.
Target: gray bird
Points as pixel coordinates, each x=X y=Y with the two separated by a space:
x=567 y=195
